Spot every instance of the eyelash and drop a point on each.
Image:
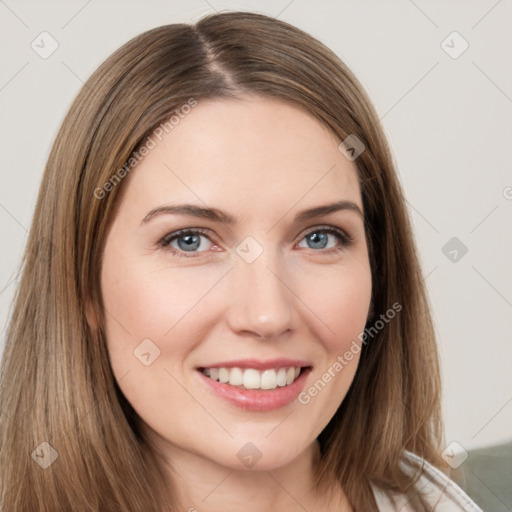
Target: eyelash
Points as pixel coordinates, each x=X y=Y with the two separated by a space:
x=345 y=240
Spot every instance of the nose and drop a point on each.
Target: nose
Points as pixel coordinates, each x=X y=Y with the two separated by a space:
x=261 y=302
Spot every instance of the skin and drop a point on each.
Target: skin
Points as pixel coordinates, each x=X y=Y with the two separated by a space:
x=262 y=161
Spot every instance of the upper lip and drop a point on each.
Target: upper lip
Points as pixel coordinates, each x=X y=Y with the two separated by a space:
x=259 y=364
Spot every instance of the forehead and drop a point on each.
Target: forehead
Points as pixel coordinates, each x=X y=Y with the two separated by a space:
x=250 y=153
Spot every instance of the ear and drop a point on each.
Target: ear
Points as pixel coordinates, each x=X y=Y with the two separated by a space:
x=91 y=315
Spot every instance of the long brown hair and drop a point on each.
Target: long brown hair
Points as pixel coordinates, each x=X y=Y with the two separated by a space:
x=57 y=386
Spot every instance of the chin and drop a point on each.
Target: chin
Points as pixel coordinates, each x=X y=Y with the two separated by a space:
x=264 y=454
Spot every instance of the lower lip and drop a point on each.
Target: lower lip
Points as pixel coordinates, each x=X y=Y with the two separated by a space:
x=258 y=399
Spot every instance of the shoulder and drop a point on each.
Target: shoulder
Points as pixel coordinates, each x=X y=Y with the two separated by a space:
x=433 y=489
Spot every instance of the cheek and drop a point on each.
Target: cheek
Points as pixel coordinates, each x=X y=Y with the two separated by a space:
x=153 y=319
x=148 y=301
x=340 y=298
x=340 y=304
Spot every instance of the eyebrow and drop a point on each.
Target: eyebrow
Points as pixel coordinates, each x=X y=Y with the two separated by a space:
x=222 y=217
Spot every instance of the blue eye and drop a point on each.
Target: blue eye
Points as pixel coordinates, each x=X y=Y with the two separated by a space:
x=319 y=238
x=189 y=241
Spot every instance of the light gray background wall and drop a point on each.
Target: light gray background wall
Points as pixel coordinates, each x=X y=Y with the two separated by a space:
x=447 y=114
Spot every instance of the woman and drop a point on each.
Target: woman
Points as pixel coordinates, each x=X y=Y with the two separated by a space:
x=221 y=304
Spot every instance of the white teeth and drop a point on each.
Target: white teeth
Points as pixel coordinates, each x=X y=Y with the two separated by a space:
x=254 y=379
x=236 y=377
x=281 y=377
x=223 y=375
x=251 y=379
x=269 y=379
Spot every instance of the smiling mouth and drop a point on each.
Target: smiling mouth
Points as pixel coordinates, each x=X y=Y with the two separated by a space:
x=252 y=379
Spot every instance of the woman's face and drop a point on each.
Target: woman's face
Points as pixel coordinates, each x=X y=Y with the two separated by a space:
x=256 y=288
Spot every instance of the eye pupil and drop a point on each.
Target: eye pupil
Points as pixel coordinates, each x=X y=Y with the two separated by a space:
x=320 y=238
x=192 y=242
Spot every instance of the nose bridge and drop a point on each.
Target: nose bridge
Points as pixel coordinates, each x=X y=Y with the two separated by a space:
x=262 y=302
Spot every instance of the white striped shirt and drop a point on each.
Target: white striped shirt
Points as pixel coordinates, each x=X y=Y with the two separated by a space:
x=438 y=493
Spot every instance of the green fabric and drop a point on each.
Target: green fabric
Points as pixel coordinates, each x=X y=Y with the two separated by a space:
x=486 y=476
